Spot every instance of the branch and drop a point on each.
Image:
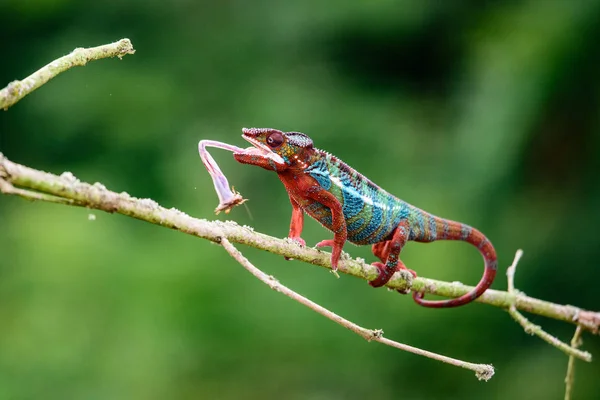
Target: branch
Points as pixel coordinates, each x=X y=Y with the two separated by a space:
x=16 y=90
x=537 y=330
x=570 y=378
x=67 y=189
x=482 y=371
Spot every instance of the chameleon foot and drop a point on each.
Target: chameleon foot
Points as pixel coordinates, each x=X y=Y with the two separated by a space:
x=336 y=251
x=385 y=274
x=325 y=243
x=300 y=242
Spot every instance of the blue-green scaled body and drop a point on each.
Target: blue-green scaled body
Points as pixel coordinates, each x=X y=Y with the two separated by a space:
x=371 y=213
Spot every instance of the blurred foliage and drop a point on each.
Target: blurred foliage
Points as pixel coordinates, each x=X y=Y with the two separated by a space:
x=485 y=112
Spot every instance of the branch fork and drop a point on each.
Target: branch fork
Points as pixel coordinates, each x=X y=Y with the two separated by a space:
x=537 y=330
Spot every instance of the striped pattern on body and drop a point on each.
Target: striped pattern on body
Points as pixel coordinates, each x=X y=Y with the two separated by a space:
x=370 y=212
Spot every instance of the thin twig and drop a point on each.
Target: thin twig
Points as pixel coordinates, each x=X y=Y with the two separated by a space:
x=16 y=90
x=510 y=272
x=570 y=378
x=537 y=330
x=98 y=197
x=482 y=371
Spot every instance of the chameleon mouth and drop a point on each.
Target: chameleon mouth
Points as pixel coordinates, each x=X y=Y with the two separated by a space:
x=260 y=149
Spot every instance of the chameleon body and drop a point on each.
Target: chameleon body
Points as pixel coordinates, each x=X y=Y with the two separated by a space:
x=355 y=209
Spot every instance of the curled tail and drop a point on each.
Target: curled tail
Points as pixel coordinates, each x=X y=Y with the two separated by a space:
x=451 y=230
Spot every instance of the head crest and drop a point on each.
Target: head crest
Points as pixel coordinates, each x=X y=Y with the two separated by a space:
x=258 y=131
x=299 y=139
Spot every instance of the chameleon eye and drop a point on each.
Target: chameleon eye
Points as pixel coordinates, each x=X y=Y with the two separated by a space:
x=275 y=139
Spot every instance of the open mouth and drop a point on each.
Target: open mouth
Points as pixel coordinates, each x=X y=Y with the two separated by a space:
x=260 y=149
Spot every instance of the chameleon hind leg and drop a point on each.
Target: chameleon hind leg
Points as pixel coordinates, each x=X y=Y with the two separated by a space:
x=389 y=253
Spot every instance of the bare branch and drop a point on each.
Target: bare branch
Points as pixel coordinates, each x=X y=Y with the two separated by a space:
x=96 y=196
x=482 y=371
x=570 y=378
x=537 y=330
x=16 y=90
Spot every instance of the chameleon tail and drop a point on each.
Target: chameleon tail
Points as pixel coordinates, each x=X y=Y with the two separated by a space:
x=451 y=230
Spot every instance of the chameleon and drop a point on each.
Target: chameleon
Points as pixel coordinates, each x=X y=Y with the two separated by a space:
x=355 y=209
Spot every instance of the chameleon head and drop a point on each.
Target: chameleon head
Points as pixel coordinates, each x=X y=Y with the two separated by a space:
x=289 y=148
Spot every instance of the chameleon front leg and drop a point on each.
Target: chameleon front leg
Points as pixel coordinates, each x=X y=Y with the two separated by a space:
x=338 y=224
x=389 y=252
x=297 y=223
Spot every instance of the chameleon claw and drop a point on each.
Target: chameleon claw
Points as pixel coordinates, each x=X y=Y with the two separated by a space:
x=325 y=243
x=412 y=272
x=299 y=241
x=385 y=274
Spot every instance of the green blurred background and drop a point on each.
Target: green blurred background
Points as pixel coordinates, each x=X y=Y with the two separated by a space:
x=485 y=112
